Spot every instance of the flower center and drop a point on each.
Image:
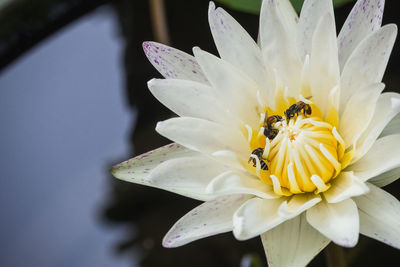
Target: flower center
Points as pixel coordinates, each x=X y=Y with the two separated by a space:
x=296 y=153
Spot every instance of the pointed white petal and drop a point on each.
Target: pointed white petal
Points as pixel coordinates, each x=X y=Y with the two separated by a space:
x=345 y=186
x=380 y=216
x=337 y=221
x=230 y=182
x=236 y=46
x=385 y=178
x=387 y=107
x=311 y=13
x=173 y=63
x=210 y=218
x=393 y=127
x=364 y=18
x=231 y=86
x=190 y=99
x=137 y=169
x=290 y=16
x=204 y=136
x=297 y=204
x=368 y=62
x=294 y=243
x=382 y=157
x=324 y=65
x=255 y=217
x=356 y=117
x=278 y=47
x=188 y=176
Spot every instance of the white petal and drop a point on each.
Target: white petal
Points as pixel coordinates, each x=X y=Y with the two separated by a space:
x=228 y=158
x=137 y=169
x=364 y=18
x=380 y=216
x=356 y=117
x=255 y=217
x=236 y=46
x=204 y=136
x=387 y=107
x=368 y=62
x=382 y=157
x=173 y=63
x=324 y=65
x=190 y=99
x=294 y=243
x=393 y=127
x=385 y=178
x=232 y=87
x=311 y=13
x=290 y=16
x=210 y=218
x=297 y=204
x=188 y=176
x=337 y=221
x=278 y=47
x=345 y=186
x=230 y=182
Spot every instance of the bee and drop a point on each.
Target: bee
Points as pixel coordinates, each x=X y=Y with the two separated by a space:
x=295 y=109
x=259 y=154
x=269 y=122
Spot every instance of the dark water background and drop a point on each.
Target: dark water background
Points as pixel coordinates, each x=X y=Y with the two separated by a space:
x=76 y=103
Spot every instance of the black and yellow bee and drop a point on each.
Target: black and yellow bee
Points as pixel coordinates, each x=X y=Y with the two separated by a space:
x=295 y=109
x=269 y=122
x=258 y=152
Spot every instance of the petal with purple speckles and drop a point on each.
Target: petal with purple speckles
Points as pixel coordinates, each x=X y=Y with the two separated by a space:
x=173 y=63
x=210 y=218
x=364 y=18
x=137 y=169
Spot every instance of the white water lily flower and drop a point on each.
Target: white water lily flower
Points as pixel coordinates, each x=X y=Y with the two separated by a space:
x=300 y=180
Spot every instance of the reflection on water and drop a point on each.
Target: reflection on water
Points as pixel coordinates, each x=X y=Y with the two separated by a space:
x=63 y=119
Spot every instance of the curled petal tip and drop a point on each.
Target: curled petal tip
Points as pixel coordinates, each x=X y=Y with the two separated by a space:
x=211 y=6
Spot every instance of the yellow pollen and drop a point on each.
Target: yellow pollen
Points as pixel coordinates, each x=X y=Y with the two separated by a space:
x=291 y=134
x=302 y=157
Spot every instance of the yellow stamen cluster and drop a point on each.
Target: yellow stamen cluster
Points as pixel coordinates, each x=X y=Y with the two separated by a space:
x=303 y=157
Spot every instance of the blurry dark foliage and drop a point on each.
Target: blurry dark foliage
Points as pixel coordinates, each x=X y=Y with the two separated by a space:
x=151 y=212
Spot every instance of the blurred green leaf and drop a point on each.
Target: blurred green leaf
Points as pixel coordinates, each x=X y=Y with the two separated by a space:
x=253 y=6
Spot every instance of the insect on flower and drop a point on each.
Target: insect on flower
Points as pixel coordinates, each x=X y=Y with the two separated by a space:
x=257 y=158
x=317 y=171
x=295 y=109
x=269 y=122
